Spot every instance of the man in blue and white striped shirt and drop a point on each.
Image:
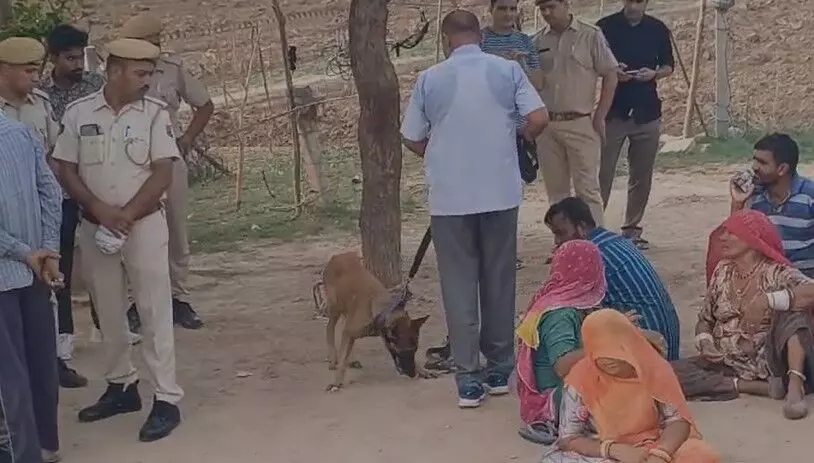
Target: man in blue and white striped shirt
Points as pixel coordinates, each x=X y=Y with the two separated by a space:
x=30 y=214
x=633 y=283
x=784 y=195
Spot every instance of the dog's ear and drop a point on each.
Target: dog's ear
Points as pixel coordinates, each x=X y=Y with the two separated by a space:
x=417 y=323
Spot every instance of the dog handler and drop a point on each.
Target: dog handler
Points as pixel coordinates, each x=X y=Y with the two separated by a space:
x=460 y=120
x=116 y=152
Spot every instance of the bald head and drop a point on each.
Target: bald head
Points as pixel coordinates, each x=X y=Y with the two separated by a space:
x=460 y=22
x=461 y=27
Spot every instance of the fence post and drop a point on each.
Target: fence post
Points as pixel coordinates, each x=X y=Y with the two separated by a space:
x=309 y=136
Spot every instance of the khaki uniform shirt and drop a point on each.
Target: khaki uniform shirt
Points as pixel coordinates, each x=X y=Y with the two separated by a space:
x=172 y=83
x=35 y=112
x=115 y=151
x=571 y=63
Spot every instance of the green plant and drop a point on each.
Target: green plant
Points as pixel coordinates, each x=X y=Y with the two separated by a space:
x=36 y=18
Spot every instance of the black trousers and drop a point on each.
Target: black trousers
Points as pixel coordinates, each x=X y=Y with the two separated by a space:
x=29 y=387
x=67 y=238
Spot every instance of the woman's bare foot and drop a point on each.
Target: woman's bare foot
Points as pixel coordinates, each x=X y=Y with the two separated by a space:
x=795 y=407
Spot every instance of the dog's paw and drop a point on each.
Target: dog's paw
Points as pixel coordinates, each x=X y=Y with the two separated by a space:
x=333 y=388
x=355 y=365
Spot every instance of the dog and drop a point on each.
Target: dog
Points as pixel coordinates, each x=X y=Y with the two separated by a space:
x=369 y=309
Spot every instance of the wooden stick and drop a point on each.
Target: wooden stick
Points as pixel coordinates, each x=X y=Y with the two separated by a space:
x=265 y=78
x=683 y=68
x=696 y=65
x=289 y=83
x=438 y=19
x=241 y=117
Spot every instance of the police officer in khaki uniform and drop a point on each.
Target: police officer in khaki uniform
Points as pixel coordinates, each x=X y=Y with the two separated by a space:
x=573 y=55
x=20 y=99
x=172 y=83
x=116 y=155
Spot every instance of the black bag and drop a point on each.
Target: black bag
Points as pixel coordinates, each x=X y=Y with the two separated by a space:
x=527 y=159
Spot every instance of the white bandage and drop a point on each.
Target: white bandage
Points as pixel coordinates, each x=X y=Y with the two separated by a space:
x=703 y=337
x=779 y=300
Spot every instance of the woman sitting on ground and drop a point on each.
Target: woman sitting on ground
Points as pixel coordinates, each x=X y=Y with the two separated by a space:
x=754 y=333
x=623 y=403
x=550 y=341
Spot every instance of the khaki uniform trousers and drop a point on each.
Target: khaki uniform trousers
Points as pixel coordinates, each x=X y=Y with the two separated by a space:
x=177 y=205
x=641 y=158
x=569 y=151
x=143 y=263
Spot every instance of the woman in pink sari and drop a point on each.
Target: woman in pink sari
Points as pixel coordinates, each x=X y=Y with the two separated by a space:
x=550 y=335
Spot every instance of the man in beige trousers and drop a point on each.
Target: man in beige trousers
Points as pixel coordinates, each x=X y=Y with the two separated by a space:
x=573 y=55
x=116 y=154
x=172 y=83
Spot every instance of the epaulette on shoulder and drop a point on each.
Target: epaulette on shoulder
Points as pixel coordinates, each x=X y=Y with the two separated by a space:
x=80 y=101
x=157 y=101
x=586 y=24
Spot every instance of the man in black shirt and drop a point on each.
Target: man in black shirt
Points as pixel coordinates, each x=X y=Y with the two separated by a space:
x=642 y=45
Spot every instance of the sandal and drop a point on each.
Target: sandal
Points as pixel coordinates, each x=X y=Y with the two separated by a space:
x=541 y=434
x=796 y=410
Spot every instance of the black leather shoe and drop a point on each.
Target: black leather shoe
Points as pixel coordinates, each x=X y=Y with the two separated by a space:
x=184 y=315
x=115 y=401
x=133 y=319
x=163 y=419
x=68 y=377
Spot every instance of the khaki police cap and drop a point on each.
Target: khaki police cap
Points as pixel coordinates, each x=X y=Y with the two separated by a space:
x=134 y=49
x=141 y=27
x=21 y=50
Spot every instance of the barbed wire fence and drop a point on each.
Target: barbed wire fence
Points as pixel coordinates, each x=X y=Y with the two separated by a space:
x=326 y=110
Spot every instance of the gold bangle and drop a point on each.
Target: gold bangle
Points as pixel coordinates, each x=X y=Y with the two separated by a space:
x=662 y=454
x=604 y=448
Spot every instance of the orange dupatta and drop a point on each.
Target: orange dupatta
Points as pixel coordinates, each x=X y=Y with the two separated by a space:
x=624 y=410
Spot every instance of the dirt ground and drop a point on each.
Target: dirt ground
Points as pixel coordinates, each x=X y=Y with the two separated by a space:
x=255 y=376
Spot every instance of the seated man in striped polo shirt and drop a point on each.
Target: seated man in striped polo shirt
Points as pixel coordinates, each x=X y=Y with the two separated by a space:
x=782 y=194
x=633 y=283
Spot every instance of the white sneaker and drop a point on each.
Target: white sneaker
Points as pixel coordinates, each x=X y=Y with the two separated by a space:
x=135 y=339
x=50 y=457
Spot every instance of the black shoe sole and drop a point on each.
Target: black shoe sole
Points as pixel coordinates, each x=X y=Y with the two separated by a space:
x=73 y=385
x=142 y=437
x=106 y=417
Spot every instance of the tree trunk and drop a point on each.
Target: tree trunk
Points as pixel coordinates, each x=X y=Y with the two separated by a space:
x=5 y=12
x=379 y=139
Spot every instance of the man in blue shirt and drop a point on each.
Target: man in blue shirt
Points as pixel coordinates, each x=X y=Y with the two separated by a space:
x=460 y=120
x=633 y=283
x=782 y=194
x=30 y=214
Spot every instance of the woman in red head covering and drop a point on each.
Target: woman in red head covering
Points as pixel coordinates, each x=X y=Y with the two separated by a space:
x=754 y=333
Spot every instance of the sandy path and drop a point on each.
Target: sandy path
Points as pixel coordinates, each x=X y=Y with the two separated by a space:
x=258 y=307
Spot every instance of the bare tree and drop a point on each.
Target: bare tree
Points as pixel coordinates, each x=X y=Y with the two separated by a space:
x=379 y=139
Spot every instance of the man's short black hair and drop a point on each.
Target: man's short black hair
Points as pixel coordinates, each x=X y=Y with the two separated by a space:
x=784 y=149
x=66 y=37
x=574 y=209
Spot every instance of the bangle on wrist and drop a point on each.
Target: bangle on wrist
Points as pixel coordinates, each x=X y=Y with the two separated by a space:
x=604 y=448
x=661 y=454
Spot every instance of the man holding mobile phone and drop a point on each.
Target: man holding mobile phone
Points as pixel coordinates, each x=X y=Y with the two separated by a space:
x=643 y=47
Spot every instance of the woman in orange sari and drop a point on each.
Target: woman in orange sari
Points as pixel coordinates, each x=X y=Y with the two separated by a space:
x=623 y=402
